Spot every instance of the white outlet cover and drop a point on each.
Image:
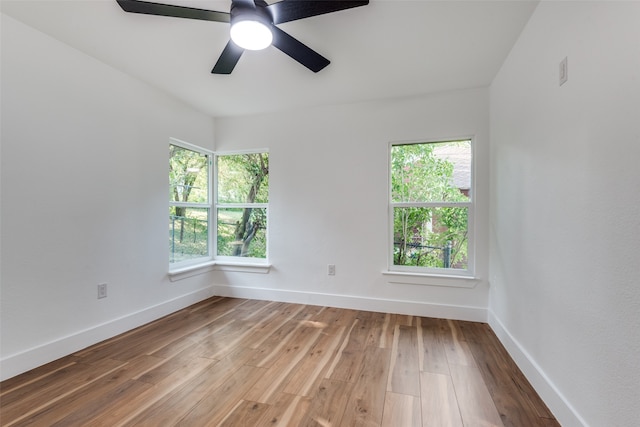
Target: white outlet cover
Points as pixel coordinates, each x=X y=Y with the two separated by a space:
x=102 y=290
x=564 y=71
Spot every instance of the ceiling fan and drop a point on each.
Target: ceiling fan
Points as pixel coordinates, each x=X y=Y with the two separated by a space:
x=253 y=26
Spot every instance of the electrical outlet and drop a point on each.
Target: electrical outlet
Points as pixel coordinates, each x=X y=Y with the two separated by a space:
x=331 y=269
x=102 y=290
x=564 y=71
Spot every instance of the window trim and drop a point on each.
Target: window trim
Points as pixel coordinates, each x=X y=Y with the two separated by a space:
x=409 y=273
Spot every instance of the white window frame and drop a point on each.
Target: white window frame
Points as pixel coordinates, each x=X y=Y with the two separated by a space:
x=180 y=265
x=236 y=260
x=401 y=270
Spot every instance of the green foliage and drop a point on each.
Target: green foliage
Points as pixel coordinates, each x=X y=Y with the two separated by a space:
x=243 y=178
x=419 y=175
x=423 y=234
x=188 y=175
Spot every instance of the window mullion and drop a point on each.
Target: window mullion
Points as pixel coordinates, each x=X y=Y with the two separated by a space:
x=212 y=223
x=190 y=205
x=429 y=204
x=241 y=205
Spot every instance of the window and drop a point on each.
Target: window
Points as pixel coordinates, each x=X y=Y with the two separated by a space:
x=242 y=196
x=237 y=190
x=189 y=202
x=431 y=207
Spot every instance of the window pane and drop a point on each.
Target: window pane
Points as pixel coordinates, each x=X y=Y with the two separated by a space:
x=430 y=237
x=188 y=233
x=242 y=232
x=431 y=172
x=243 y=178
x=188 y=175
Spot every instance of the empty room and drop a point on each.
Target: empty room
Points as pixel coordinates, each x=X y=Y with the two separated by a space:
x=381 y=213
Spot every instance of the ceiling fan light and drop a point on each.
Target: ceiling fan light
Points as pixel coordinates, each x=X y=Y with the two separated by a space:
x=251 y=35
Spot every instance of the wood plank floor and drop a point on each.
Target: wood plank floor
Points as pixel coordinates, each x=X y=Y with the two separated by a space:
x=236 y=362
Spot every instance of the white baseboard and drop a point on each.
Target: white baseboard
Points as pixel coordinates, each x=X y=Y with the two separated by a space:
x=18 y=363
x=566 y=414
x=414 y=308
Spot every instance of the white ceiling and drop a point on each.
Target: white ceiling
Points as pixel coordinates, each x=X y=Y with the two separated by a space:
x=387 y=49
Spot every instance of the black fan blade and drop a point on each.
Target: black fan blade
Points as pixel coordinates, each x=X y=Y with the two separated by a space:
x=148 y=8
x=291 y=10
x=298 y=51
x=228 y=59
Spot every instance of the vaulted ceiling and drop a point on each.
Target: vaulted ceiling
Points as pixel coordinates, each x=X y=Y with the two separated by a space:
x=387 y=49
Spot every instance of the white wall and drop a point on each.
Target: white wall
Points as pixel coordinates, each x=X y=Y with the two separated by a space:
x=565 y=221
x=329 y=196
x=84 y=199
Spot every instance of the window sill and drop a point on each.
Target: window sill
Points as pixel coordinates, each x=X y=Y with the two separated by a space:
x=431 y=279
x=247 y=267
x=205 y=267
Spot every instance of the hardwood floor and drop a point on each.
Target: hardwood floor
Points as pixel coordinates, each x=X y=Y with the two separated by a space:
x=235 y=362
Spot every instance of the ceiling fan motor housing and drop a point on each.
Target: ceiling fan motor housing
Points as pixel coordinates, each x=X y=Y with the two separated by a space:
x=241 y=11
